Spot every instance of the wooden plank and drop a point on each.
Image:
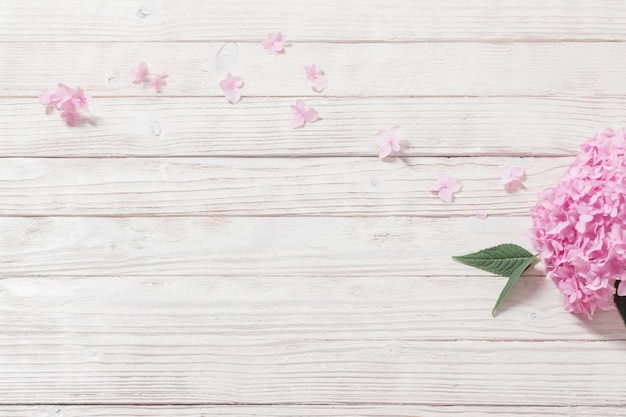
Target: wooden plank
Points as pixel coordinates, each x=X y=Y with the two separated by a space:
x=354 y=70
x=266 y=186
x=331 y=246
x=187 y=370
x=206 y=309
x=240 y=410
x=450 y=126
x=370 y=20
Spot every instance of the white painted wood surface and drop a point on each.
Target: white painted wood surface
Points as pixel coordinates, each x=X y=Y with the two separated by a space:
x=180 y=256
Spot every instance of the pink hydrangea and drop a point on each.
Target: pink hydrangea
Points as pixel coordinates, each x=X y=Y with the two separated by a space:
x=579 y=226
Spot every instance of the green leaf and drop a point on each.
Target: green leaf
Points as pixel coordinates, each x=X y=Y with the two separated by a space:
x=508 y=260
x=512 y=280
x=501 y=260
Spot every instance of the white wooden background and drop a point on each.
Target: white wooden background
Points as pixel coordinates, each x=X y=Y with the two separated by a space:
x=185 y=257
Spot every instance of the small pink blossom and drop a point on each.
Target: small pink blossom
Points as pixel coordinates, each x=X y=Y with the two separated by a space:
x=69 y=102
x=80 y=99
x=140 y=72
x=511 y=176
x=141 y=75
x=301 y=114
x=446 y=186
x=315 y=74
x=481 y=214
x=57 y=97
x=231 y=86
x=274 y=43
x=388 y=141
x=45 y=98
x=159 y=82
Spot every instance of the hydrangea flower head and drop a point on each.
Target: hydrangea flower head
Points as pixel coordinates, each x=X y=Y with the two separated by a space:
x=579 y=226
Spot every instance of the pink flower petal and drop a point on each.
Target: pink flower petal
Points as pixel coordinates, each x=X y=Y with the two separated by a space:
x=442 y=180
x=310 y=71
x=517 y=172
x=233 y=95
x=68 y=101
x=319 y=84
x=481 y=214
x=297 y=120
x=389 y=138
x=139 y=72
x=446 y=195
x=274 y=43
x=231 y=86
x=310 y=115
x=511 y=176
x=79 y=99
x=621 y=289
x=446 y=186
x=237 y=82
x=385 y=151
x=61 y=95
x=454 y=185
x=302 y=114
x=300 y=106
x=159 y=82
x=45 y=97
x=314 y=74
x=70 y=116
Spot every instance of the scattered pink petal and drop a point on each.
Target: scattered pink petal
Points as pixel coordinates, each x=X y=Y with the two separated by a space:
x=45 y=97
x=481 y=214
x=140 y=72
x=302 y=114
x=60 y=96
x=141 y=75
x=69 y=102
x=511 y=176
x=315 y=74
x=275 y=43
x=159 y=82
x=388 y=141
x=79 y=100
x=446 y=186
x=231 y=86
x=621 y=288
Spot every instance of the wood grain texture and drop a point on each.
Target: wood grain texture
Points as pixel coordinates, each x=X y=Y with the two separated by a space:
x=267 y=186
x=310 y=371
x=144 y=310
x=349 y=20
x=355 y=70
x=179 y=256
x=309 y=411
x=435 y=126
x=330 y=246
